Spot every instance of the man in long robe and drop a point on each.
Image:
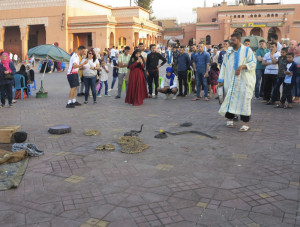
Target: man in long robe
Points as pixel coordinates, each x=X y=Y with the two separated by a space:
x=238 y=78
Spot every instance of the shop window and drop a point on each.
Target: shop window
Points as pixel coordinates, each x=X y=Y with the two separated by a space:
x=214 y=20
x=251 y=15
x=239 y=16
x=259 y=15
x=242 y=16
x=122 y=41
x=89 y=40
x=255 y=15
x=272 y=15
x=234 y=16
x=276 y=15
x=268 y=15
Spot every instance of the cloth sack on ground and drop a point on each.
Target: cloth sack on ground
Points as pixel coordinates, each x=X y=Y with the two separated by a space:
x=12 y=157
x=30 y=148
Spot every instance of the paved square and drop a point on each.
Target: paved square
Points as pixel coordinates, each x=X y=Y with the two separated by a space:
x=240 y=179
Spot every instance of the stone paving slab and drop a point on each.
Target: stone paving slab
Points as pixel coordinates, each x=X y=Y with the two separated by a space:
x=241 y=179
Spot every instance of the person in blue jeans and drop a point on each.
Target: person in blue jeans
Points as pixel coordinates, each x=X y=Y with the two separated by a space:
x=260 y=53
x=90 y=75
x=201 y=66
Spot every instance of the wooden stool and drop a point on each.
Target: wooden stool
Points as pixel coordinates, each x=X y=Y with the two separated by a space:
x=6 y=132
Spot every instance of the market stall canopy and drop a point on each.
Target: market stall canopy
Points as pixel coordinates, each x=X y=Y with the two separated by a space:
x=49 y=52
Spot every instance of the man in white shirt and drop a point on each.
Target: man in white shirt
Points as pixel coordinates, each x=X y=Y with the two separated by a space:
x=274 y=38
x=73 y=77
x=112 y=52
x=270 y=60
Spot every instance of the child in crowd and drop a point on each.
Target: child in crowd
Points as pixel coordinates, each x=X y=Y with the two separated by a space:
x=282 y=62
x=115 y=65
x=104 y=79
x=290 y=75
x=214 y=76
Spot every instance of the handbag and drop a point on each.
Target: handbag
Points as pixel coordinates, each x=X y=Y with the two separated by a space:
x=9 y=76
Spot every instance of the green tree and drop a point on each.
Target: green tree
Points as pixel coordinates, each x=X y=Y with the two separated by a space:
x=146 y=4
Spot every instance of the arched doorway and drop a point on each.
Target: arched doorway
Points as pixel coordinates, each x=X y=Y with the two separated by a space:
x=37 y=36
x=122 y=41
x=207 y=40
x=273 y=31
x=12 y=40
x=241 y=31
x=111 y=39
x=257 y=32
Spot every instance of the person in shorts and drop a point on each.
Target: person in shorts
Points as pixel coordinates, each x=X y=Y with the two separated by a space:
x=73 y=77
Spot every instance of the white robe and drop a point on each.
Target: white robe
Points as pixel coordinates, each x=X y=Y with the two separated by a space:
x=238 y=89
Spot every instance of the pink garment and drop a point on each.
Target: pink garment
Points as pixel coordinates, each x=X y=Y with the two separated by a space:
x=5 y=63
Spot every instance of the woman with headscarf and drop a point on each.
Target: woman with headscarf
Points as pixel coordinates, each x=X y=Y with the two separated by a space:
x=7 y=69
x=137 y=89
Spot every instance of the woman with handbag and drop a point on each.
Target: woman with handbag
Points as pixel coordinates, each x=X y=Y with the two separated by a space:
x=137 y=89
x=7 y=71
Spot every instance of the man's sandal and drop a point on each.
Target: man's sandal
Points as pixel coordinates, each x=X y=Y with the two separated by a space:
x=229 y=124
x=244 y=128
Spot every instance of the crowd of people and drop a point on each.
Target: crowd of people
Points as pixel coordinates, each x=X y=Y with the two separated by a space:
x=232 y=65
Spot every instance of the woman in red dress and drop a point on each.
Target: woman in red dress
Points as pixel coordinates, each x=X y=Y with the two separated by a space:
x=137 y=89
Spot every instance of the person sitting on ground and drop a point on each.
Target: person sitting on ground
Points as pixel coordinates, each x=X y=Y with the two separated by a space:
x=30 y=74
x=290 y=77
x=23 y=72
x=169 y=84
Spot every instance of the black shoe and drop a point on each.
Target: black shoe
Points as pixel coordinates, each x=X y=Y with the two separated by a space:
x=77 y=104
x=236 y=118
x=180 y=95
x=95 y=102
x=70 y=106
x=86 y=102
x=270 y=103
x=117 y=97
x=79 y=94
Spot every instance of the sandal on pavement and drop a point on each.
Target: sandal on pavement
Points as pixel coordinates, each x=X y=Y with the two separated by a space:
x=195 y=99
x=206 y=99
x=244 y=128
x=229 y=124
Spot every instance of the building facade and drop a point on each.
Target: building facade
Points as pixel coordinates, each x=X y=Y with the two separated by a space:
x=215 y=24
x=28 y=23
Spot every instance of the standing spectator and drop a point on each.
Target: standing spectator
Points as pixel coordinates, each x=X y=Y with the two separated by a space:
x=11 y=56
x=296 y=88
x=73 y=77
x=259 y=85
x=290 y=75
x=123 y=64
x=282 y=62
x=137 y=89
x=193 y=55
x=175 y=54
x=184 y=64
x=163 y=52
x=6 y=68
x=201 y=66
x=115 y=71
x=215 y=55
x=270 y=60
x=214 y=76
x=80 y=74
x=104 y=79
x=112 y=52
x=15 y=59
x=274 y=38
x=246 y=43
x=144 y=55
x=169 y=55
x=223 y=52
x=105 y=55
x=90 y=75
x=153 y=68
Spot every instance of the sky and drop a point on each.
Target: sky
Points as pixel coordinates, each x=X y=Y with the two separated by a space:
x=183 y=12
